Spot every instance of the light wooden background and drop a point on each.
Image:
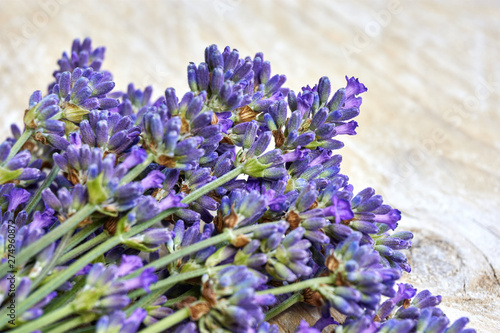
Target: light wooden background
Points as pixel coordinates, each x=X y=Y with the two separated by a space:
x=428 y=138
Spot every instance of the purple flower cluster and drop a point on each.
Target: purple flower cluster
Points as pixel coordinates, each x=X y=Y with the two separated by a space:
x=211 y=211
x=105 y=291
x=407 y=312
x=234 y=305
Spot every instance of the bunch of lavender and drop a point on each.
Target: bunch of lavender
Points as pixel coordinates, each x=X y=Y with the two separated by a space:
x=211 y=211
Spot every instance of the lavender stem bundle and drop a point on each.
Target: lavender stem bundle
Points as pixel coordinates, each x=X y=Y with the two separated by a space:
x=214 y=211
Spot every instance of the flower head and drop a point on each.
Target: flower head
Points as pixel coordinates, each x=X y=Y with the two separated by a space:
x=117 y=322
x=105 y=291
x=81 y=55
x=231 y=292
x=82 y=91
x=18 y=167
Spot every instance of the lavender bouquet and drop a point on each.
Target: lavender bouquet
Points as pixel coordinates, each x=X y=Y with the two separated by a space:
x=212 y=211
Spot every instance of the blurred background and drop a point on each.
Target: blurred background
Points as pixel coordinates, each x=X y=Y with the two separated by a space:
x=428 y=135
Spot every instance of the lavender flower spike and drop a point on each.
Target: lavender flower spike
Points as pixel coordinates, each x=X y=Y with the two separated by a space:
x=117 y=322
x=17 y=167
x=106 y=292
x=82 y=91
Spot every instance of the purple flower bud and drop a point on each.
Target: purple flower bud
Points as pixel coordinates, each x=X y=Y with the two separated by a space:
x=56 y=141
x=157 y=236
x=4 y=150
x=171 y=100
x=216 y=81
x=324 y=88
x=51 y=200
x=242 y=71
x=345 y=115
x=303 y=140
x=325 y=131
x=128 y=264
x=188 y=215
x=365 y=227
x=260 y=145
x=117 y=321
x=273 y=241
x=117 y=140
x=153 y=180
x=103 y=88
x=202 y=77
x=274 y=173
x=146 y=209
x=274 y=84
x=249 y=136
x=135 y=157
x=354 y=87
x=214 y=57
x=35 y=98
x=189 y=327
x=348 y=128
x=102 y=133
x=171 y=201
x=265 y=231
x=195 y=106
x=281 y=272
x=191 y=75
x=390 y=218
x=265 y=72
x=314 y=223
x=231 y=60
x=226 y=91
x=207 y=203
x=17 y=197
x=201 y=121
x=262 y=105
x=362 y=196
x=337 y=100
x=331 y=144
x=272 y=156
x=318 y=119
x=20 y=160
x=114 y=302
x=294 y=122
x=316 y=236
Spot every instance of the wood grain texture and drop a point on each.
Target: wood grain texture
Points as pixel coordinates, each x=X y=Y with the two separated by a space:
x=428 y=139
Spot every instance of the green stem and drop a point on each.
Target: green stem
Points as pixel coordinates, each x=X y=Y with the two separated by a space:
x=311 y=283
x=69 y=324
x=60 y=301
x=297 y=297
x=89 y=329
x=45 y=320
x=53 y=261
x=143 y=302
x=173 y=301
x=82 y=234
x=163 y=286
x=167 y=322
x=19 y=144
x=46 y=183
x=137 y=170
x=50 y=237
x=213 y=185
x=84 y=247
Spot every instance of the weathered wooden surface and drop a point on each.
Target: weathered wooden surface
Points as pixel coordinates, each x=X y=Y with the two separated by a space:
x=428 y=138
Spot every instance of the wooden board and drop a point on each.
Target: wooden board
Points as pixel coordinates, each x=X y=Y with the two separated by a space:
x=428 y=138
